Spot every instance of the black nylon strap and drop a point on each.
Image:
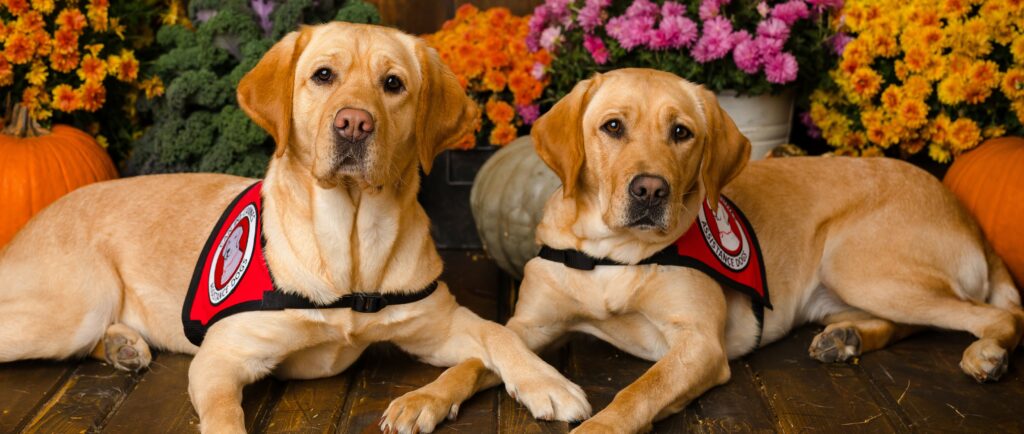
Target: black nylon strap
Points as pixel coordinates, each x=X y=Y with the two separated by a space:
x=574 y=258
x=360 y=302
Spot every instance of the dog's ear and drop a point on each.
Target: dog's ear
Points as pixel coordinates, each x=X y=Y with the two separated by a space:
x=558 y=135
x=445 y=114
x=265 y=92
x=726 y=149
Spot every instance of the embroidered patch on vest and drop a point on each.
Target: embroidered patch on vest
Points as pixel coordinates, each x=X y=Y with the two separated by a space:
x=722 y=243
x=231 y=275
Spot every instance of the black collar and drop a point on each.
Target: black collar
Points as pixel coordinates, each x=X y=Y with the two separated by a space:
x=363 y=302
x=578 y=260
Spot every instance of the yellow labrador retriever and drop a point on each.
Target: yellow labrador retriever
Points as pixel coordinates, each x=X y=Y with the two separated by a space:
x=638 y=151
x=354 y=110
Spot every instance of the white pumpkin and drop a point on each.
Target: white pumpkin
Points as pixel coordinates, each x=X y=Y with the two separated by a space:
x=508 y=200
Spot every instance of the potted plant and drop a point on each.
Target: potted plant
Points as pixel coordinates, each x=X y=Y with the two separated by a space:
x=749 y=52
x=65 y=64
x=917 y=76
x=487 y=51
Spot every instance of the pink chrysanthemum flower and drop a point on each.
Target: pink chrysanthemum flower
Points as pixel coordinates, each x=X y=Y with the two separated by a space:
x=773 y=28
x=716 y=41
x=642 y=8
x=550 y=38
x=711 y=8
x=595 y=46
x=590 y=14
x=631 y=32
x=781 y=68
x=528 y=113
x=674 y=32
x=791 y=11
x=746 y=54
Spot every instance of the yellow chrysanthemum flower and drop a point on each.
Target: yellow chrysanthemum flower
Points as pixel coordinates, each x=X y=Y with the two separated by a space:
x=865 y=82
x=964 y=134
x=992 y=131
x=37 y=74
x=951 y=90
x=1013 y=83
x=152 y=86
x=1018 y=109
x=912 y=113
x=917 y=87
x=43 y=6
x=939 y=153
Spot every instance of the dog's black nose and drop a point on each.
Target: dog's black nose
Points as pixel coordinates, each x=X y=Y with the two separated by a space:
x=353 y=124
x=649 y=189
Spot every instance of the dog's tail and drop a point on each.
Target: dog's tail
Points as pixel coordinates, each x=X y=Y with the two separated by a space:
x=1004 y=293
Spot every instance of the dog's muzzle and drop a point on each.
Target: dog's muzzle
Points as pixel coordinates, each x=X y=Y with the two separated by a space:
x=352 y=130
x=648 y=200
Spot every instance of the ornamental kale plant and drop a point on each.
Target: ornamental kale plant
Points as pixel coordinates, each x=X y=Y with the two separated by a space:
x=752 y=47
x=198 y=126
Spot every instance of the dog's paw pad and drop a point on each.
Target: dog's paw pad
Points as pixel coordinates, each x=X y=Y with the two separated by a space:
x=985 y=361
x=836 y=346
x=126 y=354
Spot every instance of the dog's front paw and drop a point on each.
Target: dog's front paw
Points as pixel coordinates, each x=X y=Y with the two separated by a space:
x=985 y=360
x=417 y=411
x=550 y=396
x=836 y=346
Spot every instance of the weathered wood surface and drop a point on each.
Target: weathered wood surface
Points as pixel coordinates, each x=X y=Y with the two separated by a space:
x=913 y=386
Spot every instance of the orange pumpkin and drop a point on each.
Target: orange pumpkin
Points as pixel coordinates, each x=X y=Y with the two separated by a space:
x=38 y=166
x=990 y=182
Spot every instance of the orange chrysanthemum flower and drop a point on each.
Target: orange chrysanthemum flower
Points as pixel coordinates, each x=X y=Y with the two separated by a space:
x=92 y=96
x=124 y=66
x=65 y=98
x=65 y=40
x=495 y=81
x=6 y=72
x=64 y=62
x=16 y=7
x=92 y=69
x=503 y=134
x=30 y=22
x=71 y=19
x=500 y=112
x=19 y=49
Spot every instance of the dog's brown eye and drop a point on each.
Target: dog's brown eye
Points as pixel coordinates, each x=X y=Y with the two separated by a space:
x=393 y=84
x=680 y=133
x=323 y=75
x=613 y=128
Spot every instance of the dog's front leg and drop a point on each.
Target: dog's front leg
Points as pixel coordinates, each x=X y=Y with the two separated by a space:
x=543 y=314
x=481 y=346
x=692 y=320
x=238 y=351
x=215 y=382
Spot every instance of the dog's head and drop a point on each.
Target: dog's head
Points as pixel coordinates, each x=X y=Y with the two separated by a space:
x=643 y=147
x=356 y=102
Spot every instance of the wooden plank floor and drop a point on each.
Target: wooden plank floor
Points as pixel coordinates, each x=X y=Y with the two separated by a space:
x=914 y=386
